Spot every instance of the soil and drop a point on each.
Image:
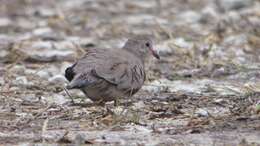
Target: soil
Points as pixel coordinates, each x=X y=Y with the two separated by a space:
x=205 y=90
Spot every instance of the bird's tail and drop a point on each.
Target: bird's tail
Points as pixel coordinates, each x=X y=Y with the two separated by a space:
x=69 y=73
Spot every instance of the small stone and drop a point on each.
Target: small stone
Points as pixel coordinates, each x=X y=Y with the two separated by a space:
x=233 y=4
x=53 y=70
x=30 y=98
x=182 y=43
x=14 y=89
x=209 y=15
x=164 y=48
x=58 y=79
x=2 y=81
x=3 y=54
x=45 y=12
x=48 y=51
x=42 y=31
x=59 y=99
x=202 y=112
x=220 y=100
x=21 y=80
x=236 y=40
x=119 y=110
x=188 y=17
x=79 y=139
x=143 y=4
x=139 y=105
x=75 y=93
x=25 y=24
x=43 y=74
x=143 y=18
x=18 y=69
x=30 y=71
x=5 y=22
x=152 y=88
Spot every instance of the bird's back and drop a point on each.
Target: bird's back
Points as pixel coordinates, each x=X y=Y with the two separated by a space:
x=113 y=73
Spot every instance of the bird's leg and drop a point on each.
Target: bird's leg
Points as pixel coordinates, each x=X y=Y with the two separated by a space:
x=116 y=102
x=67 y=92
x=126 y=103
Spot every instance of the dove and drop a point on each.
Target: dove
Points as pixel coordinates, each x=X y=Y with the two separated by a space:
x=110 y=74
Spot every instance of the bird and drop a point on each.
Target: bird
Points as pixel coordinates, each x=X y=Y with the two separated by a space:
x=105 y=75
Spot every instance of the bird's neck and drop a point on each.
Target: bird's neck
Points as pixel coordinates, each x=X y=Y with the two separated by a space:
x=135 y=52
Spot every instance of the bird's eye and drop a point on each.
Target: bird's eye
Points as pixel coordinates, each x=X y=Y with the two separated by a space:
x=147 y=44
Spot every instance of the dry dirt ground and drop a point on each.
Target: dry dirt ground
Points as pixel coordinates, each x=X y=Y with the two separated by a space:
x=204 y=91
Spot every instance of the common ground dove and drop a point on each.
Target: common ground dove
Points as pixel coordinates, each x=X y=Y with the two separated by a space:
x=106 y=74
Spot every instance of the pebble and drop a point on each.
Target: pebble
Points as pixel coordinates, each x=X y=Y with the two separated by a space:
x=220 y=100
x=139 y=105
x=30 y=71
x=43 y=74
x=119 y=110
x=143 y=18
x=5 y=22
x=30 y=98
x=58 y=79
x=18 y=69
x=202 y=112
x=228 y=5
x=236 y=40
x=14 y=88
x=25 y=23
x=209 y=15
x=42 y=31
x=21 y=80
x=59 y=99
x=2 y=81
x=164 y=48
x=188 y=17
x=45 y=12
x=3 y=53
x=47 y=51
x=182 y=43
x=143 y=4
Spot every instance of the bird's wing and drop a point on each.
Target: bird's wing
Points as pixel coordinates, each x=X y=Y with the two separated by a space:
x=116 y=68
x=125 y=75
x=114 y=73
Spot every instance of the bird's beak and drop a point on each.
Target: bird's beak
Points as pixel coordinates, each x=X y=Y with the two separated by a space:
x=155 y=54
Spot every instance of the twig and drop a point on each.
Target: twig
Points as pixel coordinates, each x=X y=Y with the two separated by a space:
x=38 y=114
x=44 y=128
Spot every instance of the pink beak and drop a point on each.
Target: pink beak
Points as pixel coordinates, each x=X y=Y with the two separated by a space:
x=155 y=54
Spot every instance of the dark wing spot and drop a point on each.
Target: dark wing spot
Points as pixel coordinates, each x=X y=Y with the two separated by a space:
x=135 y=75
x=142 y=73
x=69 y=73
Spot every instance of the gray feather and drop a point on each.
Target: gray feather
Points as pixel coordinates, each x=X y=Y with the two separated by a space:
x=106 y=75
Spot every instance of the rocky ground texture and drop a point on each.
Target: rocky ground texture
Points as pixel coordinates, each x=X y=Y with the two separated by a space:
x=205 y=90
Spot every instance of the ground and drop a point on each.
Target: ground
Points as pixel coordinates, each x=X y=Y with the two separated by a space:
x=205 y=90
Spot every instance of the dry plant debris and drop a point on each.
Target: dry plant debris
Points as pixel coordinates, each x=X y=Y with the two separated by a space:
x=204 y=91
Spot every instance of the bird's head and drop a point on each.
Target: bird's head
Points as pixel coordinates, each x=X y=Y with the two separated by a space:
x=141 y=46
